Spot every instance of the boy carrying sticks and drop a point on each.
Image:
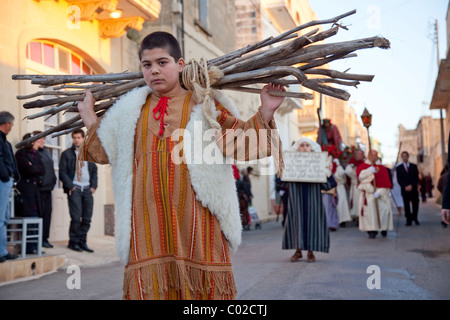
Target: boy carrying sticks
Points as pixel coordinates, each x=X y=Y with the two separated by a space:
x=176 y=221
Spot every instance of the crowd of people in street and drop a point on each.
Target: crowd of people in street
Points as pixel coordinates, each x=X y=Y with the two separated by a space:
x=30 y=172
x=360 y=191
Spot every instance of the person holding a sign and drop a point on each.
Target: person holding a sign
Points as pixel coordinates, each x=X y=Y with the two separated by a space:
x=375 y=213
x=306 y=224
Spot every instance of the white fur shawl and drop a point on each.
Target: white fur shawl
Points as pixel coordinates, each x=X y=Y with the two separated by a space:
x=214 y=184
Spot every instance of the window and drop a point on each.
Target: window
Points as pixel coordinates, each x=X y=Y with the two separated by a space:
x=49 y=55
x=76 y=65
x=36 y=52
x=63 y=60
x=202 y=20
x=203 y=12
x=56 y=57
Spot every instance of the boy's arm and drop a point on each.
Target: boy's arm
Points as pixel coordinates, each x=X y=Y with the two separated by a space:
x=255 y=138
x=91 y=149
x=86 y=110
x=269 y=103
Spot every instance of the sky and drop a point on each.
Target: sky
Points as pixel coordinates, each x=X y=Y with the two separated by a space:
x=405 y=74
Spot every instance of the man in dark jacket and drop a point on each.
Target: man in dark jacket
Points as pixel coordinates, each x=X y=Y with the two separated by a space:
x=46 y=185
x=408 y=179
x=79 y=192
x=8 y=173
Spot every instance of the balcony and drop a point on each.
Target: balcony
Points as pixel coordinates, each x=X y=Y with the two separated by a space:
x=441 y=95
x=279 y=13
x=115 y=16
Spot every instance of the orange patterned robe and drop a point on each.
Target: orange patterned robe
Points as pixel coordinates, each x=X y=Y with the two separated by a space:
x=177 y=248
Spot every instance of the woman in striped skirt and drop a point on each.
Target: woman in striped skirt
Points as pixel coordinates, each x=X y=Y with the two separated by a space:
x=306 y=224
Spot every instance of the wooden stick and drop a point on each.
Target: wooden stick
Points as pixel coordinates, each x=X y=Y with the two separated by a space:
x=79 y=87
x=337 y=81
x=263 y=73
x=322 y=61
x=71 y=92
x=51 y=112
x=317 y=22
x=275 y=79
x=317 y=51
x=62 y=126
x=75 y=126
x=340 y=75
x=100 y=95
x=329 y=91
x=50 y=80
x=301 y=95
x=98 y=106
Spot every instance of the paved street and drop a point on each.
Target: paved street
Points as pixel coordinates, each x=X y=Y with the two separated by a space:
x=413 y=261
x=413 y=264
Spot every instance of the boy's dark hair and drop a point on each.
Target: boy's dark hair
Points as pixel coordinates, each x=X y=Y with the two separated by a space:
x=405 y=152
x=163 y=40
x=78 y=131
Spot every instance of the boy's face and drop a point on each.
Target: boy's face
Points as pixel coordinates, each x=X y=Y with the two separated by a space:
x=161 y=71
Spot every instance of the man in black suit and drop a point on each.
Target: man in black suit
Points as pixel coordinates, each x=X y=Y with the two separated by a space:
x=408 y=178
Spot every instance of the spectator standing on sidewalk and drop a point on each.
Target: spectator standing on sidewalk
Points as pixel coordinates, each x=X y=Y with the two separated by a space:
x=306 y=223
x=8 y=173
x=46 y=185
x=31 y=170
x=79 y=193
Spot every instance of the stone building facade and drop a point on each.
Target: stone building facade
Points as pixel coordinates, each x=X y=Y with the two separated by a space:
x=66 y=37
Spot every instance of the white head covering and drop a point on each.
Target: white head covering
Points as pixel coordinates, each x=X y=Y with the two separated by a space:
x=314 y=146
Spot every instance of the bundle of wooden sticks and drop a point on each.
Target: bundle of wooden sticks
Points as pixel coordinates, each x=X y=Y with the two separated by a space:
x=286 y=59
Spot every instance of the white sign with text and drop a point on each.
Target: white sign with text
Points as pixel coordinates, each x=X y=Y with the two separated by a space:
x=305 y=166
